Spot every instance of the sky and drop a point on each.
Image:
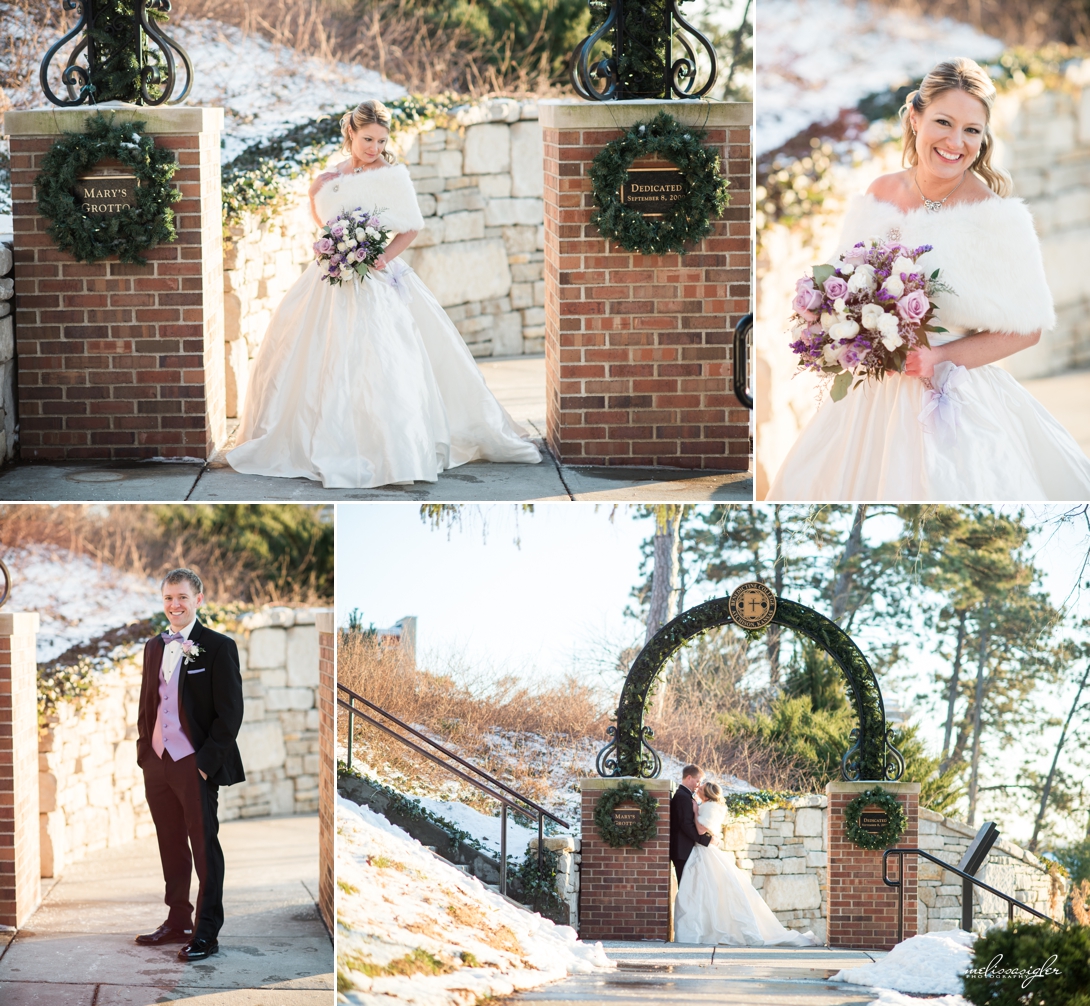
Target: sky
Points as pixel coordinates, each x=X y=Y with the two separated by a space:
x=553 y=603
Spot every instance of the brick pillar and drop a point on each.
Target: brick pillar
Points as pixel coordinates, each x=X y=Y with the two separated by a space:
x=326 y=766
x=638 y=348
x=862 y=911
x=20 y=850
x=624 y=894
x=121 y=361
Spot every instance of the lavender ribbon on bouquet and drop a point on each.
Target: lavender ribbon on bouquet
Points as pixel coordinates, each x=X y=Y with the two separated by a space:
x=941 y=413
x=396 y=276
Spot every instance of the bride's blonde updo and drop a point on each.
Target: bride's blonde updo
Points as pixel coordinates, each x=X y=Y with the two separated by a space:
x=367 y=113
x=713 y=792
x=959 y=74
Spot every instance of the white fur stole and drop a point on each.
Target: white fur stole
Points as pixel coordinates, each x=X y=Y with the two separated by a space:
x=988 y=253
x=388 y=190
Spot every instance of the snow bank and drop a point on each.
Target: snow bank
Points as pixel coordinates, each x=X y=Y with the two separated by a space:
x=77 y=598
x=401 y=909
x=931 y=963
x=817 y=57
x=887 y=997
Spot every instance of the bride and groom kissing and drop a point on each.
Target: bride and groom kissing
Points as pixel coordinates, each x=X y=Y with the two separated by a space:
x=716 y=901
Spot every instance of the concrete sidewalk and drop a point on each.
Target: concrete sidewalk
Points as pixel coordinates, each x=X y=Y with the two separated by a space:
x=679 y=974
x=518 y=382
x=78 y=949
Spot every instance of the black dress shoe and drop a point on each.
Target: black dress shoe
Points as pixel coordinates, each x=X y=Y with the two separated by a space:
x=166 y=933
x=198 y=949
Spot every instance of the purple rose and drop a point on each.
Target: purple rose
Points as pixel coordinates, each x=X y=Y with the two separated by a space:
x=373 y=222
x=323 y=246
x=806 y=302
x=337 y=259
x=836 y=287
x=856 y=255
x=337 y=230
x=913 y=306
x=804 y=284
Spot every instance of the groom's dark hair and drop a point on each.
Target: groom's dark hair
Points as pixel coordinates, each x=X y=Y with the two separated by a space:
x=178 y=575
x=690 y=770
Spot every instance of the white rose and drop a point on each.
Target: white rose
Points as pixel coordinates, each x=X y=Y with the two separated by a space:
x=846 y=268
x=341 y=246
x=831 y=353
x=372 y=233
x=359 y=233
x=889 y=332
x=844 y=330
x=839 y=306
x=871 y=314
x=893 y=286
x=903 y=265
x=828 y=320
x=862 y=280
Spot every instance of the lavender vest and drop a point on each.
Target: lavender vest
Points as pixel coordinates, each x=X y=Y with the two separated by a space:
x=168 y=733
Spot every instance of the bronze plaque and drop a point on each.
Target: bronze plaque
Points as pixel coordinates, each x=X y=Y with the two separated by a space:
x=626 y=814
x=653 y=191
x=106 y=195
x=752 y=606
x=873 y=820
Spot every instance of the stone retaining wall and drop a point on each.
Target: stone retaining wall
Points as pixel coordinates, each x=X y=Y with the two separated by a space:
x=7 y=353
x=479 y=185
x=91 y=790
x=1043 y=140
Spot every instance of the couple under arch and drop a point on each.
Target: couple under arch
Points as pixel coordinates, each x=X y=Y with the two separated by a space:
x=716 y=901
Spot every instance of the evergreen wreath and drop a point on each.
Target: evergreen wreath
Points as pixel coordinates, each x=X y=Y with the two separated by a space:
x=134 y=229
x=690 y=218
x=890 y=834
x=635 y=835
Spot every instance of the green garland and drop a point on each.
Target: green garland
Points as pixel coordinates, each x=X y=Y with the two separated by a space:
x=875 y=797
x=643 y=831
x=132 y=231
x=690 y=219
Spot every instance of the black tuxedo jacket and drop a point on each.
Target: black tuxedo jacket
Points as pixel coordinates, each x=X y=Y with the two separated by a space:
x=683 y=833
x=210 y=700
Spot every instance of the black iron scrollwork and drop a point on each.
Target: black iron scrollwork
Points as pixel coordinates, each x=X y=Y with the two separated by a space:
x=872 y=754
x=639 y=61
x=158 y=67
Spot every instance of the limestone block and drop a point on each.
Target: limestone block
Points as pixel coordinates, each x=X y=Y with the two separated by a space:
x=500 y=212
x=488 y=149
x=306 y=616
x=430 y=185
x=507 y=335
x=237 y=374
x=458 y=201
x=5 y=308
x=47 y=792
x=426 y=202
x=7 y=340
x=278 y=615
x=421 y=172
x=808 y=821
x=464 y=271
x=261 y=746
x=313 y=720
x=7 y=288
x=302 y=652
x=277 y=699
x=519 y=239
x=495 y=186
x=253 y=709
x=449 y=163
x=268 y=648
x=792 y=893
x=52 y=834
x=6 y=259
x=274 y=679
x=407 y=146
x=522 y=295
x=817 y=859
x=539 y=293
x=536 y=316
x=527 y=160
x=466 y=225
x=793 y=864
x=767 y=866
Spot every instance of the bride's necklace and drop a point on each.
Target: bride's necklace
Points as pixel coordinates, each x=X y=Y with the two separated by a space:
x=934 y=205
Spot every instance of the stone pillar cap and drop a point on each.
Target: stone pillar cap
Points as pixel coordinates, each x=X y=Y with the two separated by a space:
x=19 y=623
x=575 y=113
x=51 y=121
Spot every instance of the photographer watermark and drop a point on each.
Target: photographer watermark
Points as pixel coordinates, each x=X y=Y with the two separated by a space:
x=993 y=970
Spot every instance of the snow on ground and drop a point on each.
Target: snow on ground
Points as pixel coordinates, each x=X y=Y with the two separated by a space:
x=76 y=598
x=887 y=997
x=401 y=909
x=928 y=964
x=818 y=57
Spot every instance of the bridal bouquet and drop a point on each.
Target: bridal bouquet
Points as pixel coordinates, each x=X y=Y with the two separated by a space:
x=350 y=243
x=861 y=318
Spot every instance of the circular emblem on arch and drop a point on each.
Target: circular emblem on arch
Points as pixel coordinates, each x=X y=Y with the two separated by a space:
x=752 y=606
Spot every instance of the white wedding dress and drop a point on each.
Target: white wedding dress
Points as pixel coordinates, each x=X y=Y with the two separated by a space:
x=717 y=903
x=369 y=384
x=994 y=441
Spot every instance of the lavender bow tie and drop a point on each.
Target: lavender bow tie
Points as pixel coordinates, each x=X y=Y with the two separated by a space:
x=170 y=637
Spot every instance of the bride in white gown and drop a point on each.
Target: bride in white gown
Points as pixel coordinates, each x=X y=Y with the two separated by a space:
x=716 y=902
x=953 y=426
x=369 y=383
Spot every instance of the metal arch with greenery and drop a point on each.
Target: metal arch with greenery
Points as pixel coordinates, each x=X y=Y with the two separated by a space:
x=872 y=755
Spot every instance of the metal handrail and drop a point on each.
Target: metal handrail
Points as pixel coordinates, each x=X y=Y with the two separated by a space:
x=743 y=332
x=967 y=877
x=514 y=799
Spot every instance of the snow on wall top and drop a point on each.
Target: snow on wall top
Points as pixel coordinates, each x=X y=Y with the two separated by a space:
x=817 y=57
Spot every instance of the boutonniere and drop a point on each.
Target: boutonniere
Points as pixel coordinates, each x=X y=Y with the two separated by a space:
x=190 y=651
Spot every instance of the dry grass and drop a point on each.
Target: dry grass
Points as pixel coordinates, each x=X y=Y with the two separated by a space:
x=128 y=537
x=390 y=37
x=21 y=52
x=1016 y=22
x=1080 y=902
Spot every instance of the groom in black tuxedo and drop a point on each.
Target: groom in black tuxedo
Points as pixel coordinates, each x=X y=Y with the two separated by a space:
x=190 y=715
x=683 y=833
